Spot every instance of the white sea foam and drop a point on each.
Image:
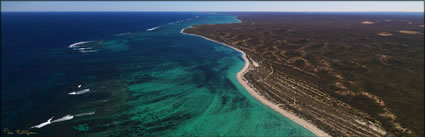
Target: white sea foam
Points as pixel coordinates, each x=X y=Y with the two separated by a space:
x=154 y=28
x=81 y=47
x=79 y=92
x=78 y=44
x=43 y=124
x=85 y=48
x=84 y=114
x=87 y=51
x=64 y=118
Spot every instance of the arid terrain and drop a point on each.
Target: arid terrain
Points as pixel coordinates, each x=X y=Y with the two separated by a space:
x=350 y=74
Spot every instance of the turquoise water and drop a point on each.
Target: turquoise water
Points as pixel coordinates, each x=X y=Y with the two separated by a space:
x=161 y=83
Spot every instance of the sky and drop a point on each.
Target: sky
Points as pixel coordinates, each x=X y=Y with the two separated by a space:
x=284 y=6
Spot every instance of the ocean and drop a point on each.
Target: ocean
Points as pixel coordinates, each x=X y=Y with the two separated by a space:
x=126 y=74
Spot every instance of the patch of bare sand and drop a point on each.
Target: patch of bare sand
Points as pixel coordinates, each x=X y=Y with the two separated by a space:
x=409 y=32
x=422 y=25
x=385 y=34
x=367 y=22
x=387 y=20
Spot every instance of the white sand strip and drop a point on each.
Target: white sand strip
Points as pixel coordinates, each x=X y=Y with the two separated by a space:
x=263 y=100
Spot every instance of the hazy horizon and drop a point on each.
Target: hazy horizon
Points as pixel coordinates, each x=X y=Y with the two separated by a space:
x=213 y=6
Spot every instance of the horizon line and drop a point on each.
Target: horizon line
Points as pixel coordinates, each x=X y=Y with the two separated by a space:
x=216 y=11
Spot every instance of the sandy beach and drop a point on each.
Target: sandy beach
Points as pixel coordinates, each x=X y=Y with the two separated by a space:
x=263 y=100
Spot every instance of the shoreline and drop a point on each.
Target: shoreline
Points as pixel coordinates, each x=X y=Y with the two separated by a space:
x=312 y=128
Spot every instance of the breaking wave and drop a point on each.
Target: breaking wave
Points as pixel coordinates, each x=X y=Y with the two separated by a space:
x=84 y=114
x=64 y=118
x=48 y=122
x=152 y=29
x=81 y=47
x=79 y=92
x=76 y=45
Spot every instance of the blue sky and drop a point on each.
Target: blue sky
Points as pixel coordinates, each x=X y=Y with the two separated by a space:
x=291 y=6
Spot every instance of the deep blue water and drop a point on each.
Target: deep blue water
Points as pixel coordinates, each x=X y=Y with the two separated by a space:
x=139 y=82
x=47 y=30
x=28 y=40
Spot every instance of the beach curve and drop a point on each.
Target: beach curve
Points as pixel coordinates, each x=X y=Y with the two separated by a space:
x=292 y=116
